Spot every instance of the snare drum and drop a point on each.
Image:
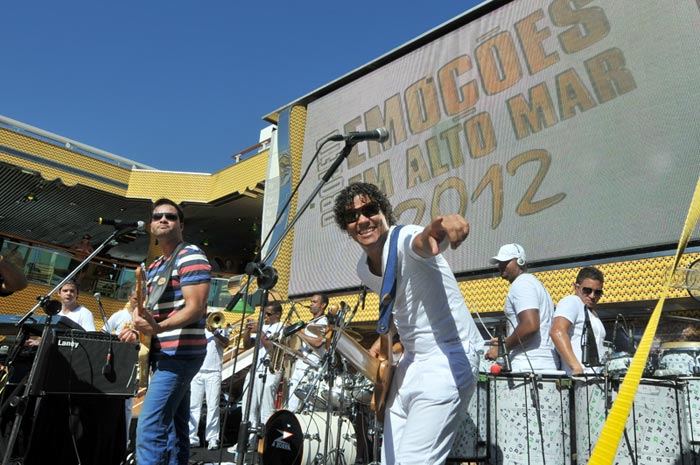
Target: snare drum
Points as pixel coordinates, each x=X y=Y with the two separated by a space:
x=680 y=358
x=362 y=389
x=300 y=439
x=311 y=382
x=530 y=419
x=340 y=395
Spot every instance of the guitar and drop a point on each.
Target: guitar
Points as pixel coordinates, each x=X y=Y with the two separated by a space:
x=144 y=339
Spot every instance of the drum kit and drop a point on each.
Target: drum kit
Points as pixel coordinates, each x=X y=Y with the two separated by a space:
x=333 y=423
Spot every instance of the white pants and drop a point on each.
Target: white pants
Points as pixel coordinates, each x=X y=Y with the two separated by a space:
x=293 y=383
x=426 y=402
x=262 y=405
x=205 y=384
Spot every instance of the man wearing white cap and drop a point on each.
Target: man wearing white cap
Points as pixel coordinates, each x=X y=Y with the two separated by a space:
x=528 y=310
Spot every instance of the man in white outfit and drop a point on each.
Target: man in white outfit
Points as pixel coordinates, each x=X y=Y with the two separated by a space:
x=266 y=384
x=312 y=347
x=570 y=319
x=207 y=384
x=437 y=374
x=528 y=310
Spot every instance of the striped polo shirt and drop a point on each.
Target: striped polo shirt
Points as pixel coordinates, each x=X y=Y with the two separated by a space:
x=191 y=267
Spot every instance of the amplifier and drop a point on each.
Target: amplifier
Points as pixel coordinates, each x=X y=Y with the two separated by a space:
x=79 y=362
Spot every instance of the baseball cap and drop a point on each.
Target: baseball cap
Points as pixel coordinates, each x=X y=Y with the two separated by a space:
x=508 y=252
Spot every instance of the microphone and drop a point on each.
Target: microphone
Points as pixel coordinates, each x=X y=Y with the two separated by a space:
x=98 y=297
x=378 y=135
x=502 y=352
x=585 y=354
x=119 y=224
x=614 y=333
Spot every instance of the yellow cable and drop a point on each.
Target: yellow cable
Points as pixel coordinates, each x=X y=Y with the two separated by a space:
x=606 y=447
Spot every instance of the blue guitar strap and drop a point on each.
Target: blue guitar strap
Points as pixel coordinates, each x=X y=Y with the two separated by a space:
x=386 y=303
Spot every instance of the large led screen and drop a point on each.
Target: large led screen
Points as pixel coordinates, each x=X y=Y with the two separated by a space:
x=570 y=127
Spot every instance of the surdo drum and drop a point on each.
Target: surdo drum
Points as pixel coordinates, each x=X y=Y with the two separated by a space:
x=657 y=428
x=680 y=358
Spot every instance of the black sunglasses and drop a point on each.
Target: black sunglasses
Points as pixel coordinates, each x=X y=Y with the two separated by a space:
x=588 y=291
x=371 y=209
x=168 y=216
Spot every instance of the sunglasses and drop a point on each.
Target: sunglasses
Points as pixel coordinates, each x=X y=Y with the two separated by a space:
x=588 y=291
x=168 y=216
x=269 y=313
x=371 y=209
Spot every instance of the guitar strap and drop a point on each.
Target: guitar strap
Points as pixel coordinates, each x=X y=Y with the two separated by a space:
x=386 y=303
x=161 y=280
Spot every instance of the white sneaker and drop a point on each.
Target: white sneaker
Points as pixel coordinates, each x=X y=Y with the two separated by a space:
x=213 y=445
x=233 y=449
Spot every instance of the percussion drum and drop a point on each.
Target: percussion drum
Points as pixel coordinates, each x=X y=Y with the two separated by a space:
x=656 y=430
x=362 y=389
x=340 y=394
x=618 y=363
x=300 y=439
x=472 y=434
x=680 y=358
x=693 y=417
x=485 y=365
x=529 y=419
x=311 y=382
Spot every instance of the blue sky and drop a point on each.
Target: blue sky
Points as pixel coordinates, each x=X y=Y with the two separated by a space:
x=182 y=85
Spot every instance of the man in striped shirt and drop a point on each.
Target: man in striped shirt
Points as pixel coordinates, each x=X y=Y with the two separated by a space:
x=178 y=344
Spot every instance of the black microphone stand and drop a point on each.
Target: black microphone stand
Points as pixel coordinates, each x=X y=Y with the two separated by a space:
x=51 y=308
x=267 y=276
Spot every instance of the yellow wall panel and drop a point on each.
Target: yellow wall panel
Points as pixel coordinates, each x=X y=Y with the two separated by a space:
x=62 y=156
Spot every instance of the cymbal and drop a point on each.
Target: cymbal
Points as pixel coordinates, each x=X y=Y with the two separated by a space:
x=320 y=330
x=354 y=334
x=294 y=353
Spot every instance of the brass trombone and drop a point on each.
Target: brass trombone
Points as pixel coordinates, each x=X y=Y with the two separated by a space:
x=215 y=320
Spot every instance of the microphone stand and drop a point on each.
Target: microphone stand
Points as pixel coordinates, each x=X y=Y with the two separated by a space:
x=267 y=278
x=36 y=371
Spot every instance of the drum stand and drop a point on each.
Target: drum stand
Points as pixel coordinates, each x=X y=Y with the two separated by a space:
x=267 y=276
x=332 y=374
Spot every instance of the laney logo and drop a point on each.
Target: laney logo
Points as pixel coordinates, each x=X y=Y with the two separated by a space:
x=71 y=344
x=280 y=443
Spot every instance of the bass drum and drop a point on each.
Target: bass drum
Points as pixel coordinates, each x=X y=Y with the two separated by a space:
x=299 y=439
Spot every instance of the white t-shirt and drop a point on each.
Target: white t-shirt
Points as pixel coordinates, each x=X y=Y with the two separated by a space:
x=314 y=354
x=275 y=329
x=82 y=316
x=571 y=307
x=215 y=351
x=118 y=321
x=525 y=293
x=429 y=310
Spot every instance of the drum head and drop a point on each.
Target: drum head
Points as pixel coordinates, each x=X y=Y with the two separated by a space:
x=283 y=441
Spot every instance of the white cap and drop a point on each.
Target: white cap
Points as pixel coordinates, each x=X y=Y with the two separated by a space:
x=509 y=252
